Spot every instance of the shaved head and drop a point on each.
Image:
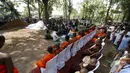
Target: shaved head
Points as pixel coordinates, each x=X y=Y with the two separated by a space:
x=83 y=70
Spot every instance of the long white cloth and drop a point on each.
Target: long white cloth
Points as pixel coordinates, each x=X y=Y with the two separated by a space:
x=37 y=26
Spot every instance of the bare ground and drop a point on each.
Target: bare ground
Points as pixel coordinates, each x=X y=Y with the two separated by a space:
x=25 y=47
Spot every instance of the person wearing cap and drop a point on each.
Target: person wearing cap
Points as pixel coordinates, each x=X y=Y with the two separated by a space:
x=42 y=63
x=6 y=64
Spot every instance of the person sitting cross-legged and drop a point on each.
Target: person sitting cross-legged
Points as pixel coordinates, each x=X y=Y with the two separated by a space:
x=6 y=64
x=42 y=63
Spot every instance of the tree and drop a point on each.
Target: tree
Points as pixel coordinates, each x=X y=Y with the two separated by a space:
x=108 y=10
x=93 y=10
x=8 y=11
x=45 y=2
x=28 y=3
x=65 y=8
x=69 y=9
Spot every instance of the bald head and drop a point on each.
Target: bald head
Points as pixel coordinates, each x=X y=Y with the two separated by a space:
x=2 y=40
x=83 y=70
x=93 y=61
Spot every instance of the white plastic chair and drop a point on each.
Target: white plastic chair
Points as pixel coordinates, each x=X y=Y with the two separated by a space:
x=61 y=59
x=81 y=43
x=97 y=66
x=86 y=39
x=51 y=66
x=75 y=48
x=100 y=56
x=42 y=70
x=68 y=52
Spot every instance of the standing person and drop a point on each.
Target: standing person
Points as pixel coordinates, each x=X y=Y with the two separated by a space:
x=6 y=64
x=124 y=41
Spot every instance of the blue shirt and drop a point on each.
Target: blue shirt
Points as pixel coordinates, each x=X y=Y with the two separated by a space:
x=126 y=69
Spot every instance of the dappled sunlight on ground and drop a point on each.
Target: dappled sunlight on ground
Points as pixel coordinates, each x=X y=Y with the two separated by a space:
x=25 y=47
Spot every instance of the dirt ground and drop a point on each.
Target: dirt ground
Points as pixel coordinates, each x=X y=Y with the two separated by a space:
x=25 y=47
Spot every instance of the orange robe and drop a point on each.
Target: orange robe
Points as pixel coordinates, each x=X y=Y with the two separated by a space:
x=4 y=70
x=73 y=40
x=42 y=63
x=94 y=40
x=64 y=45
x=78 y=37
x=101 y=34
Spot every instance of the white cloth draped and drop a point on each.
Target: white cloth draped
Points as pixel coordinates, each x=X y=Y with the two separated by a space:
x=68 y=52
x=75 y=48
x=51 y=66
x=37 y=26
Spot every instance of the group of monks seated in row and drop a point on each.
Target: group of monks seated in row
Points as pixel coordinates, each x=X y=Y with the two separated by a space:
x=92 y=52
x=56 y=49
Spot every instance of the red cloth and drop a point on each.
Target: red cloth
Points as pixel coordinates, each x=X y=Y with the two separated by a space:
x=4 y=70
x=42 y=63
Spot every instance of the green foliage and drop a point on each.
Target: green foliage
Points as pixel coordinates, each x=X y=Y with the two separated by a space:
x=7 y=10
x=93 y=9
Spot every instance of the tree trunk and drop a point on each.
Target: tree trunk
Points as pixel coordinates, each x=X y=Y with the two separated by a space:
x=69 y=9
x=65 y=9
x=124 y=16
x=29 y=14
x=128 y=16
x=46 y=12
x=39 y=9
x=108 y=10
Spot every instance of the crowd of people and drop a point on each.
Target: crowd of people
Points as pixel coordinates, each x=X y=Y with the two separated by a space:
x=120 y=37
x=93 y=52
x=71 y=33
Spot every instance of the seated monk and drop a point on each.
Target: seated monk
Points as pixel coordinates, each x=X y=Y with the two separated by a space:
x=94 y=39
x=65 y=43
x=57 y=48
x=6 y=64
x=86 y=31
x=95 y=48
x=80 y=35
x=42 y=63
x=73 y=38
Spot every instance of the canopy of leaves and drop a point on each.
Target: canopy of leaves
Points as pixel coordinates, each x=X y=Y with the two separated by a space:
x=7 y=10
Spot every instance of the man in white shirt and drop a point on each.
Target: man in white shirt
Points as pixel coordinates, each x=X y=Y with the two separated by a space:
x=125 y=69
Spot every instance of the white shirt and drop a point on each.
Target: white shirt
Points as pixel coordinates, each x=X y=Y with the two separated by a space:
x=125 y=69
